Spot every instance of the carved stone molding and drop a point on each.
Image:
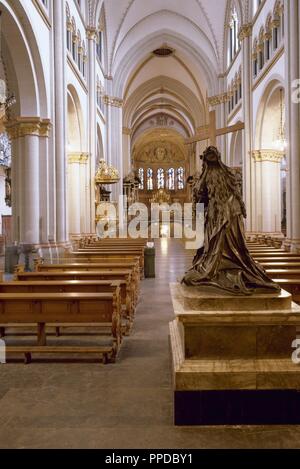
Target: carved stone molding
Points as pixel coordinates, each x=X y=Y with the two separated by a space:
x=273 y=156
x=245 y=31
x=91 y=34
x=113 y=101
x=78 y=158
x=218 y=99
x=23 y=126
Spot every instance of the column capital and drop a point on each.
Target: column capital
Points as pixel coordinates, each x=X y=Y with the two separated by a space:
x=78 y=158
x=91 y=33
x=113 y=101
x=245 y=31
x=273 y=156
x=23 y=126
x=218 y=99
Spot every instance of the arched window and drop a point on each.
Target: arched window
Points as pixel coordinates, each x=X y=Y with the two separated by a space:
x=234 y=42
x=180 y=179
x=171 y=179
x=261 y=51
x=160 y=178
x=254 y=58
x=141 y=178
x=74 y=41
x=69 y=29
x=150 y=179
x=100 y=46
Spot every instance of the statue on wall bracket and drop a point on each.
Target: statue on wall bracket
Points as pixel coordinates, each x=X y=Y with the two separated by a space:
x=224 y=260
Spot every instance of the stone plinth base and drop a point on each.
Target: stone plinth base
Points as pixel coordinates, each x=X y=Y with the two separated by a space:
x=234 y=352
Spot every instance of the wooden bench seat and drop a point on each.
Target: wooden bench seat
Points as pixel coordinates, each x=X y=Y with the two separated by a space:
x=116 y=252
x=63 y=308
x=276 y=258
x=283 y=273
x=118 y=274
x=102 y=351
x=78 y=286
x=290 y=285
x=90 y=267
x=105 y=258
x=281 y=265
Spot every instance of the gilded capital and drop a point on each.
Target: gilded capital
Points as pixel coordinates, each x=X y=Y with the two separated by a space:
x=91 y=34
x=78 y=158
x=273 y=156
x=218 y=99
x=23 y=126
x=245 y=31
x=113 y=101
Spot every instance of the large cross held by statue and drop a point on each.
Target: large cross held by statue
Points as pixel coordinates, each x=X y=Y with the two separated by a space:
x=210 y=131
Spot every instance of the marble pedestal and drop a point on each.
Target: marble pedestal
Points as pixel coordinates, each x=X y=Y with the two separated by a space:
x=232 y=358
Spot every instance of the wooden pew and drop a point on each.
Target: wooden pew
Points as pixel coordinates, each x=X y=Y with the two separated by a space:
x=109 y=255
x=124 y=275
x=115 y=252
x=283 y=273
x=290 y=285
x=281 y=265
x=57 y=309
x=90 y=267
x=102 y=262
x=76 y=286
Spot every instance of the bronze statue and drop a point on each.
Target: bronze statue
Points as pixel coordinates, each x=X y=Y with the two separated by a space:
x=224 y=260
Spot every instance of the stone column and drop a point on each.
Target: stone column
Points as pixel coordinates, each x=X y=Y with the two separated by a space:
x=92 y=82
x=29 y=212
x=248 y=169
x=74 y=193
x=126 y=151
x=114 y=140
x=292 y=74
x=267 y=191
x=59 y=28
x=85 y=193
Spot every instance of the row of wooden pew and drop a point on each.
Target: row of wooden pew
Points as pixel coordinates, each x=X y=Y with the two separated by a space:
x=282 y=266
x=93 y=290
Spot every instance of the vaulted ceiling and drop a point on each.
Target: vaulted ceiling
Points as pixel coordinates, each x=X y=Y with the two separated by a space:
x=176 y=85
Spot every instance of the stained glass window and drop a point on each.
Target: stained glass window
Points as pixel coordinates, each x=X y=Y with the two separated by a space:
x=150 y=179
x=171 y=179
x=180 y=179
x=141 y=177
x=160 y=178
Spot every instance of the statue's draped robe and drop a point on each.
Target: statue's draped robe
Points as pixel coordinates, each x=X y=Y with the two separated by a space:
x=224 y=261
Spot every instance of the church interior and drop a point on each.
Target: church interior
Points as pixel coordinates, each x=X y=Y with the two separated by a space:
x=111 y=103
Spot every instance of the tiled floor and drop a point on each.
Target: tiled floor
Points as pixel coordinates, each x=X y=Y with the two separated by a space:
x=125 y=405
